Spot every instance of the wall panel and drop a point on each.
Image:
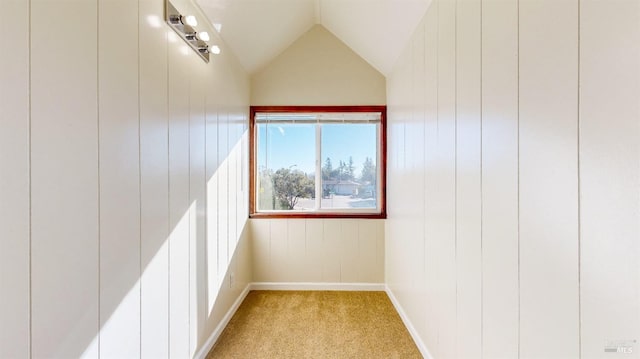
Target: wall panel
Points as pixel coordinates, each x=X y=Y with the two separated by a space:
x=609 y=176
x=446 y=178
x=154 y=183
x=197 y=163
x=223 y=192
x=297 y=265
x=429 y=168
x=261 y=250
x=279 y=261
x=104 y=190
x=64 y=134
x=314 y=244
x=349 y=252
x=318 y=250
x=119 y=179
x=14 y=182
x=548 y=179
x=179 y=200
x=468 y=180
x=212 y=174
x=500 y=179
x=331 y=259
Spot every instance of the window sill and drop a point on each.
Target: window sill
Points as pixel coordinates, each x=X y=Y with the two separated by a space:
x=263 y=215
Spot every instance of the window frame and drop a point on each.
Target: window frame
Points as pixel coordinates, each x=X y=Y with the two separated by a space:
x=253 y=213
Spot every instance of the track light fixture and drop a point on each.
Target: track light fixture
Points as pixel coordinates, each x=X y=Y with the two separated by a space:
x=184 y=26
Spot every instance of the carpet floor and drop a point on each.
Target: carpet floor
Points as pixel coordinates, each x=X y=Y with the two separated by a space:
x=315 y=324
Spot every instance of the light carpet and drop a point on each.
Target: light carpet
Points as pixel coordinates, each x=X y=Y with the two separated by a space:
x=315 y=324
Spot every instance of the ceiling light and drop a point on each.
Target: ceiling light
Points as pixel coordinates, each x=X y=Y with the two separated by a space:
x=203 y=35
x=214 y=49
x=190 y=20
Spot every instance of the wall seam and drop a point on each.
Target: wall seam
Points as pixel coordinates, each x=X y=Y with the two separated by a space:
x=579 y=189
x=206 y=202
x=99 y=262
x=437 y=149
x=29 y=164
x=481 y=192
x=217 y=189
x=189 y=209
x=140 y=269
x=518 y=175
x=455 y=181
x=168 y=196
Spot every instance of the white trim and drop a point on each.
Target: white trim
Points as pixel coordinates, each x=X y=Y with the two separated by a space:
x=213 y=338
x=407 y=323
x=363 y=287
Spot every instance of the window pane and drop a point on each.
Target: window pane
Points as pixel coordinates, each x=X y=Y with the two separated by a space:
x=286 y=166
x=349 y=166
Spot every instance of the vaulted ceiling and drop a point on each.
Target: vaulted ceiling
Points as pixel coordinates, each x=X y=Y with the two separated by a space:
x=259 y=30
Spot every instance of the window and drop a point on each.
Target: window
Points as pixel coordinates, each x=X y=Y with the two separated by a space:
x=318 y=161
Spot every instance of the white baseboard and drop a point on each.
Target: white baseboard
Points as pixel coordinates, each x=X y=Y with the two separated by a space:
x=213 y=338
x=407 y=323
x=363 y=287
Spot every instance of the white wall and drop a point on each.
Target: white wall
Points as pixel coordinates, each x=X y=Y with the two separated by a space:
x=318 y=250
x=318 y=69
x=123 y=189
x=514 y=178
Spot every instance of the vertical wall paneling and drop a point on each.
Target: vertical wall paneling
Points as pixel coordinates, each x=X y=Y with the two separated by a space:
x=296 y=250
x=232 y=189
x=108 y=142
x=279 y=261
x=446 y=178
x=212 y=177
x=468 y=181
x=548 y=179
x=197 y=158
x=369 y=232
x=223 y=193
x=119 y=179
x=64 y=134
x=14 y=182
x=331 y=250
x=500 y=178
x=314 y=240
x=154 y=180
x=414 y=215
x=350 y=257
x=179 y=205
x=609 y=176
x=547 y=174
x=318 y=250
x=261 y=231
x=431 y=140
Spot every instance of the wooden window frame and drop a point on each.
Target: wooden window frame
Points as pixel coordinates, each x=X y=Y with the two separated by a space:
x=299 y=109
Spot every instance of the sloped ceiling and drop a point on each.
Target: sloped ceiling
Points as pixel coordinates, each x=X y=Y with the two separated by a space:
x=258 y=30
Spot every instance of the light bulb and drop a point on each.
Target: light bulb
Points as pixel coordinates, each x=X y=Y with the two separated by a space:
x=203 y=35
x=190 y=20
x=214 y=49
